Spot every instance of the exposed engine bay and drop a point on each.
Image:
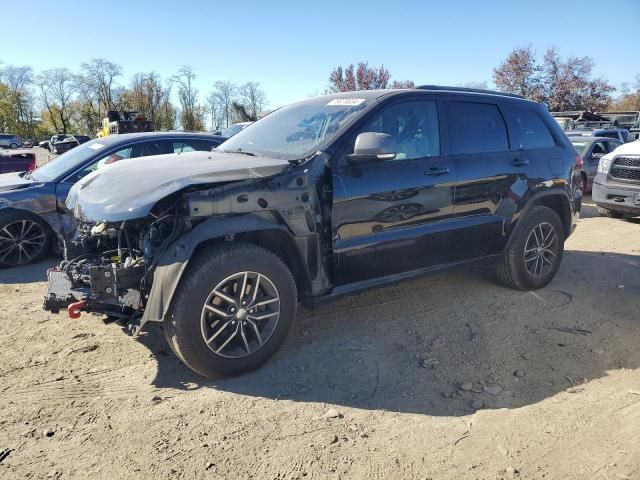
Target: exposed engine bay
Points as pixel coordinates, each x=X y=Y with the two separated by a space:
x=110 y=265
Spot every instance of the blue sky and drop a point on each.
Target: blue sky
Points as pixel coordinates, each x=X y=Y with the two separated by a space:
x=291 y=46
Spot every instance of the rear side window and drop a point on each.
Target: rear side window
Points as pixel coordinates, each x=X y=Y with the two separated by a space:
x=477 y=128
x=530 y=131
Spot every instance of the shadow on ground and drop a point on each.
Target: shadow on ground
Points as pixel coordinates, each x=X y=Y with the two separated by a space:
x=36 y=272
x=369 y=351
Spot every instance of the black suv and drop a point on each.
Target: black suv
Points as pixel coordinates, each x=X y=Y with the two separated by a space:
x=322 y=198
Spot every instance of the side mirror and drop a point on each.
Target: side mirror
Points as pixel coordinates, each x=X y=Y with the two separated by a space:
x=597 y=156
x=373 y=146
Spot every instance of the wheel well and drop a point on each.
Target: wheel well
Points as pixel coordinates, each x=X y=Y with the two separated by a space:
x=284 y=247
x=560 y=205
x=278 y=242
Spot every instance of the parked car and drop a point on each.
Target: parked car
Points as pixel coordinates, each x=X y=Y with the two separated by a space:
x=231 y=130
x=27 y=143
x=17 y=161
x=69 y=142
x=9 y=140
x=616 y=188
x=591 y=149
x=222 y=250
x=32 y=213
x=620 y=134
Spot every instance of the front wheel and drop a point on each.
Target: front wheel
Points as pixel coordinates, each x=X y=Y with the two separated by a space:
x=535 y=250
x=232 y=310
x=24 y=238
x=14 y=145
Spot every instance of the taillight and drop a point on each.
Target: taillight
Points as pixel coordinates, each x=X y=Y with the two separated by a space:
x=579 y=161
x=32 y=166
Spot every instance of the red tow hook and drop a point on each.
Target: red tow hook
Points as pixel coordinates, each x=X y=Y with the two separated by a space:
x=75 y=309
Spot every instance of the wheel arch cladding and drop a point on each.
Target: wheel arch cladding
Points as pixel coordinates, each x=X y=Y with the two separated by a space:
x=174 y=261
x=559 y=203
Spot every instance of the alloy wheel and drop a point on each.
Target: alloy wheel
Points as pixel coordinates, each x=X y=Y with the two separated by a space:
x=240 y=314
x=540 y=249
x=21 y=241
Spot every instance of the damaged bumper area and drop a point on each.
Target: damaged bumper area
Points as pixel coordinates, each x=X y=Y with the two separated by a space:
x=110 y=268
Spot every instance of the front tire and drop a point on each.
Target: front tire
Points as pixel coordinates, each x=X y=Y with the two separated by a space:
x=14 y=146
x=232 y=309
x=534 y=253
x=24 y=238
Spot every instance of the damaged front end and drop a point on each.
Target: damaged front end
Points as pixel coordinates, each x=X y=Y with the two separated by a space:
x=109 y=266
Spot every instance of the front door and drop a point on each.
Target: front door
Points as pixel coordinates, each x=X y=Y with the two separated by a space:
x=386 y=214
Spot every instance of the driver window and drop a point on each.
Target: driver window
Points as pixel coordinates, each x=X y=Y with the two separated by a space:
x=413 y=126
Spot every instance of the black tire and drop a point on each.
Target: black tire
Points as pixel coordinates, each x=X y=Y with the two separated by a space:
x=605 y=212
x=14 y=145
x=513 y=271
x=184 y=325
x=10 y=221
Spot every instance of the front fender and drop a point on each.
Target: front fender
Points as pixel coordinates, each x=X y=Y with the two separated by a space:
x=174 y=260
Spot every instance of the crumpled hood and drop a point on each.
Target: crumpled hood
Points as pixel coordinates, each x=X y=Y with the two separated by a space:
x=12 y=181
x=128 y=189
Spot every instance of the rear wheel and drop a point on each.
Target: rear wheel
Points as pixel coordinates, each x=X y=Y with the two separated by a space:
x=14 y=145
x=232 y=310
x=24 y=238
x=535 y=250
x=605 y=212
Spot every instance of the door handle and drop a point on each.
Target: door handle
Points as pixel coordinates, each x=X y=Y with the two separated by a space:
x=519 y=162
x=437 y=171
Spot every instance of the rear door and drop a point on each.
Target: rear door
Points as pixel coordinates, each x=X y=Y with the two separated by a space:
x=389 y=216
x=488 y=171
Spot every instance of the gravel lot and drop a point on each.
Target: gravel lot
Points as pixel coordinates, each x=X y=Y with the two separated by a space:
x=447 y=377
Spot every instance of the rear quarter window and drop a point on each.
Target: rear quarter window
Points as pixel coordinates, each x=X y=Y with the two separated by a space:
x=477 y=128
x=528 y=129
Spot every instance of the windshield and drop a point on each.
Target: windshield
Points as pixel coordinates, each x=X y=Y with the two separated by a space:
x=580 y=147
x=67 y=162
x=296 y=131
x=232 y=130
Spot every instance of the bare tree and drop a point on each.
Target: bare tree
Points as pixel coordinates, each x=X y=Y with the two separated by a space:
x=100 y=75
x=225 y=94
x=188 y=96
x=57 y=87
x=253 y=98
x=19 y=80
x=148 y=96
x=215 y=111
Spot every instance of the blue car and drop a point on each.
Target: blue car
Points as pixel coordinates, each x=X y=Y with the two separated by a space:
x=33 y=217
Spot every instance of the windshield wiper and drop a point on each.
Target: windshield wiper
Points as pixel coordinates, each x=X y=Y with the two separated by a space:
x=239 y=150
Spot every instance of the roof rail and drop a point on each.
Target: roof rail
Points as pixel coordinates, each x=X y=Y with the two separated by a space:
x=465 y=89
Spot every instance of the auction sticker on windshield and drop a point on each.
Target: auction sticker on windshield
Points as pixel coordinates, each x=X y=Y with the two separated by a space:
x=96 y=146
x=346 y=101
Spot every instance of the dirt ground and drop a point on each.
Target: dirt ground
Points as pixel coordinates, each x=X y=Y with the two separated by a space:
x=447 y=377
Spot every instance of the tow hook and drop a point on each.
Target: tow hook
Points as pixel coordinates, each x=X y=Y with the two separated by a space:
x=75 y=309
